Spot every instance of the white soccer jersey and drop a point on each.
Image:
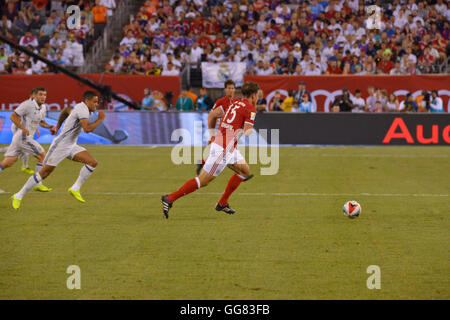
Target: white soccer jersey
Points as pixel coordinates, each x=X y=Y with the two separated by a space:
x=72 y=127
x=31 y=115
x=43 y=111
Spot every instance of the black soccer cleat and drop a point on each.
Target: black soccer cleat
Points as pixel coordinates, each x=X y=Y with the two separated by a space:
x=225 y=209
x=166 y=205
x=199 y=168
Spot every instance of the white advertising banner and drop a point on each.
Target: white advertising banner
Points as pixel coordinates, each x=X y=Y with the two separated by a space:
x=215 y=74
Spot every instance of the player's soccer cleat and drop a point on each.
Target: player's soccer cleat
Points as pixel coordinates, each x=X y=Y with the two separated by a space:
x=225 y=209
x=42 y=188
x=27 y=170
x=15 y=202
x=199 y=168
x=166 y=204
x=76 y=195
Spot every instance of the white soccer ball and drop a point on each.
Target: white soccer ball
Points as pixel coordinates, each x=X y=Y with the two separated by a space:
x=352 y=209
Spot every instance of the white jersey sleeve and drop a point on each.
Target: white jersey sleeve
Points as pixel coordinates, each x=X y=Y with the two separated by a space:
x=24 y=108
x=82 y=113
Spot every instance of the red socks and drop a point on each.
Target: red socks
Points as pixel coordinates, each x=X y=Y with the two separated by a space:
x=232 y=185
x=188 y=187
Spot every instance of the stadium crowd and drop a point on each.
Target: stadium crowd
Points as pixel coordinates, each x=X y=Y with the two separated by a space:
x=41 y=26
x=287 y=37
x=301 y=100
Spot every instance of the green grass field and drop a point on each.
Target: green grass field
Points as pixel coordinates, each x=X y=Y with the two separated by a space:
x=288 y=240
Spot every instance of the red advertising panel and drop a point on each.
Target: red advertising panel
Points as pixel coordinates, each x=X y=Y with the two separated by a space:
x=63 y=90
x=324 y=89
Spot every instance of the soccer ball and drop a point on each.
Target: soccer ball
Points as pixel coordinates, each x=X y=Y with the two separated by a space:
x=352 y=209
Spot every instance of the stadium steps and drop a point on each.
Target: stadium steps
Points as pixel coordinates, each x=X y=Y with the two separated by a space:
x=115 y=36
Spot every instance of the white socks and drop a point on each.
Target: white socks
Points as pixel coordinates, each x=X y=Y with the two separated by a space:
x=85 y=173
x=33 y=181
x=25 y=162
x=38 y=167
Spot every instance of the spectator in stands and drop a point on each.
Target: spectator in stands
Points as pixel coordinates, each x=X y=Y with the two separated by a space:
x=423 y=101
x=298 y=94
x=170 y=70
x=60 y=61
x=129 y=40
x=436 y=104
x=378 y=107
x=147 y=101
x=343 y=101
x=101 y=19
x=191 y=95
x=261 y=103
x=184 y=103
x=28 y=39
x=288 y=103
x=358 y=102
x=305 y=104
x=409 y=104
x=49 y=28
x=333 y=67
x=397 y=70
x=216 y=56
x=110 y=5
x=275 y=104
x=204 y=102
x=386 y=65
x=392 y=104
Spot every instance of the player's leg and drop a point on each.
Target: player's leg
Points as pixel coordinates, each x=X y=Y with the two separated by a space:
x=90 y=163
x=242 y=173
x=25 y=167
x=32 y=182
x=214 y=165
x=54 y=156
x=39 y=165
x=7 y=162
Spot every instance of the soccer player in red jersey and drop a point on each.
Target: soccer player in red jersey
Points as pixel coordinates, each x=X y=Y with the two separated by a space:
x=222 y=103
x=237 y=120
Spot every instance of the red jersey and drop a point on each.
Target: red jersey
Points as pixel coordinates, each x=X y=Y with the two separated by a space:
x=239 y=113
x=223 y=103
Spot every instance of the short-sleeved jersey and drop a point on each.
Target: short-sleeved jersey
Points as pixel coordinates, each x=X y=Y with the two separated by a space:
x=72 y=127
x=224 y=103
x=31 y=115
x=239 y=113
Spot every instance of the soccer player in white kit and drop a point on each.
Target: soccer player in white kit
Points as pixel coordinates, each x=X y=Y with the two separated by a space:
x=25 y=157
x=65 y=146
x=27 y=117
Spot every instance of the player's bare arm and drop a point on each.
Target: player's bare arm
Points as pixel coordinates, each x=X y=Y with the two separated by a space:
x=45 y=125
x=213 y=116
x=15 y=118
x=248 y=129
x=89 y=127
x=62 y=117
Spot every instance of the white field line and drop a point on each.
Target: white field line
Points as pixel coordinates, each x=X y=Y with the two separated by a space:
x=296 y=194
x=331 y=155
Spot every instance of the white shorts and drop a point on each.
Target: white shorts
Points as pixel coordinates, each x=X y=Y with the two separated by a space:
x=218 y=160
x=22 y=145
x=58 y=153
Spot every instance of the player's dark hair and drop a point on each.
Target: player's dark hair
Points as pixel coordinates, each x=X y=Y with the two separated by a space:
x=88 y=95
x=229 y=82
x=249 y=88
x=36 y=90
